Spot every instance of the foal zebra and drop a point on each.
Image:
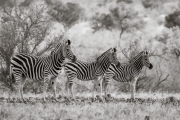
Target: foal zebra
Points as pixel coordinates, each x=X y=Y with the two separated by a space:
x=40 y=68
x=90 y=71
x=129 y=72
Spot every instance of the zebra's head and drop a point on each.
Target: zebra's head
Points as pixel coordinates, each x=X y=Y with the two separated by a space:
x=145 y=59
x=67 y=52
x=108 y=57
x=113 y=57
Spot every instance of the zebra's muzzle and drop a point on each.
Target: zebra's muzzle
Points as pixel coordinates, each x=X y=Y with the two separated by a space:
x=151 y=66
x=74 y=59
x=118 y=65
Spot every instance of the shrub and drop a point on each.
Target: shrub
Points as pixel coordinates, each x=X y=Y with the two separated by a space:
x=173 y=19
x=126 y=1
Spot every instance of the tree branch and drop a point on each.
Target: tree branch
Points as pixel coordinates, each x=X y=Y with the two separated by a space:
x=123 y=51
x=160 y=82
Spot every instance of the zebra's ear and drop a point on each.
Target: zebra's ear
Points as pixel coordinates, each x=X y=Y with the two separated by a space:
x=146 y=52
x=68 y=42
x=114 y=49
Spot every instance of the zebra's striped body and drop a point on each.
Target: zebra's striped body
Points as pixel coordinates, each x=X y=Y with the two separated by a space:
x=81 y=70
x=128 y=72
x=34 y=67
x=90 y=71
x=40 y=68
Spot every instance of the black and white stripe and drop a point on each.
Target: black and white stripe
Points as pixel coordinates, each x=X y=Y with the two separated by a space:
x=90 y=71
x=128 y=72
x=40 y=68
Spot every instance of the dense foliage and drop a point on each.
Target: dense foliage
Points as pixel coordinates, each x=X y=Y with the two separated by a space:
x=94 y=27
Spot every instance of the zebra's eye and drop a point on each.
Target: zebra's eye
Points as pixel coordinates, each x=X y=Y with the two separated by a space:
x=67 y=48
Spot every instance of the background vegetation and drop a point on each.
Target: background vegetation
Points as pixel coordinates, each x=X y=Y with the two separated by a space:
x=35 y=27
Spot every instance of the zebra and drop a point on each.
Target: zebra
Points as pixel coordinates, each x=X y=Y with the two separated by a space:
x=128 y=72
x=40 y=68
x=90 y=71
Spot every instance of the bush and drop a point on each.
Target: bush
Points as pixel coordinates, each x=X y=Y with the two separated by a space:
x=173 y=19
x=126 y=1
x=151 y=3
x=67 y=14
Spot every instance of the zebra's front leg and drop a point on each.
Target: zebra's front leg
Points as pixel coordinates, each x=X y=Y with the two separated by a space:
x=67 y=88
x=94 y=89
x=106 y=82
x=46 y=81
x=132 y=91
x=133 y=87
x=54 y=82
x=101 y=81
x=105 y=85
x=96 y=85
x=71 y=88
x=69 y=84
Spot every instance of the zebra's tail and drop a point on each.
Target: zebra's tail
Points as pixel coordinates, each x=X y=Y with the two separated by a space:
x=11 y=78
x=11 y=75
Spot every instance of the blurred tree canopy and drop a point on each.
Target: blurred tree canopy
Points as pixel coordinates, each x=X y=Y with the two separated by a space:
x=68 y=14
x=126 y=1
x=173 y=19
x=150 y=3
x=120 y=17
x=27 y=29
x=22 y=30
x=123 y=18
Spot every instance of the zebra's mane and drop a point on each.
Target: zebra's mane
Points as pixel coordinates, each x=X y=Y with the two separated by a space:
x=136 y=57
x=103 y=54
x=56 y=48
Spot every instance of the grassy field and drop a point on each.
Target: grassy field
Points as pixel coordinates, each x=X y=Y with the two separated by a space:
x=155 y=106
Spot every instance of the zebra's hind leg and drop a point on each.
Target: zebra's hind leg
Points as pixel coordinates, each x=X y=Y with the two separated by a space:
x=19 y=83
x=23 y=80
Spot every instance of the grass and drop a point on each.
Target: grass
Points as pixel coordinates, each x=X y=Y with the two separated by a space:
x=80 y=109
x=96 y=111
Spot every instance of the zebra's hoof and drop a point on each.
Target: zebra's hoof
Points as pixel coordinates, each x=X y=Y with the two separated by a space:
x=59 y=97
x=109 y=95
x=132 y=100
x=102 y=100
x=93 y=99
x=44 y=100
x=73 y=99
x=146 y=118
x=56 y=100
